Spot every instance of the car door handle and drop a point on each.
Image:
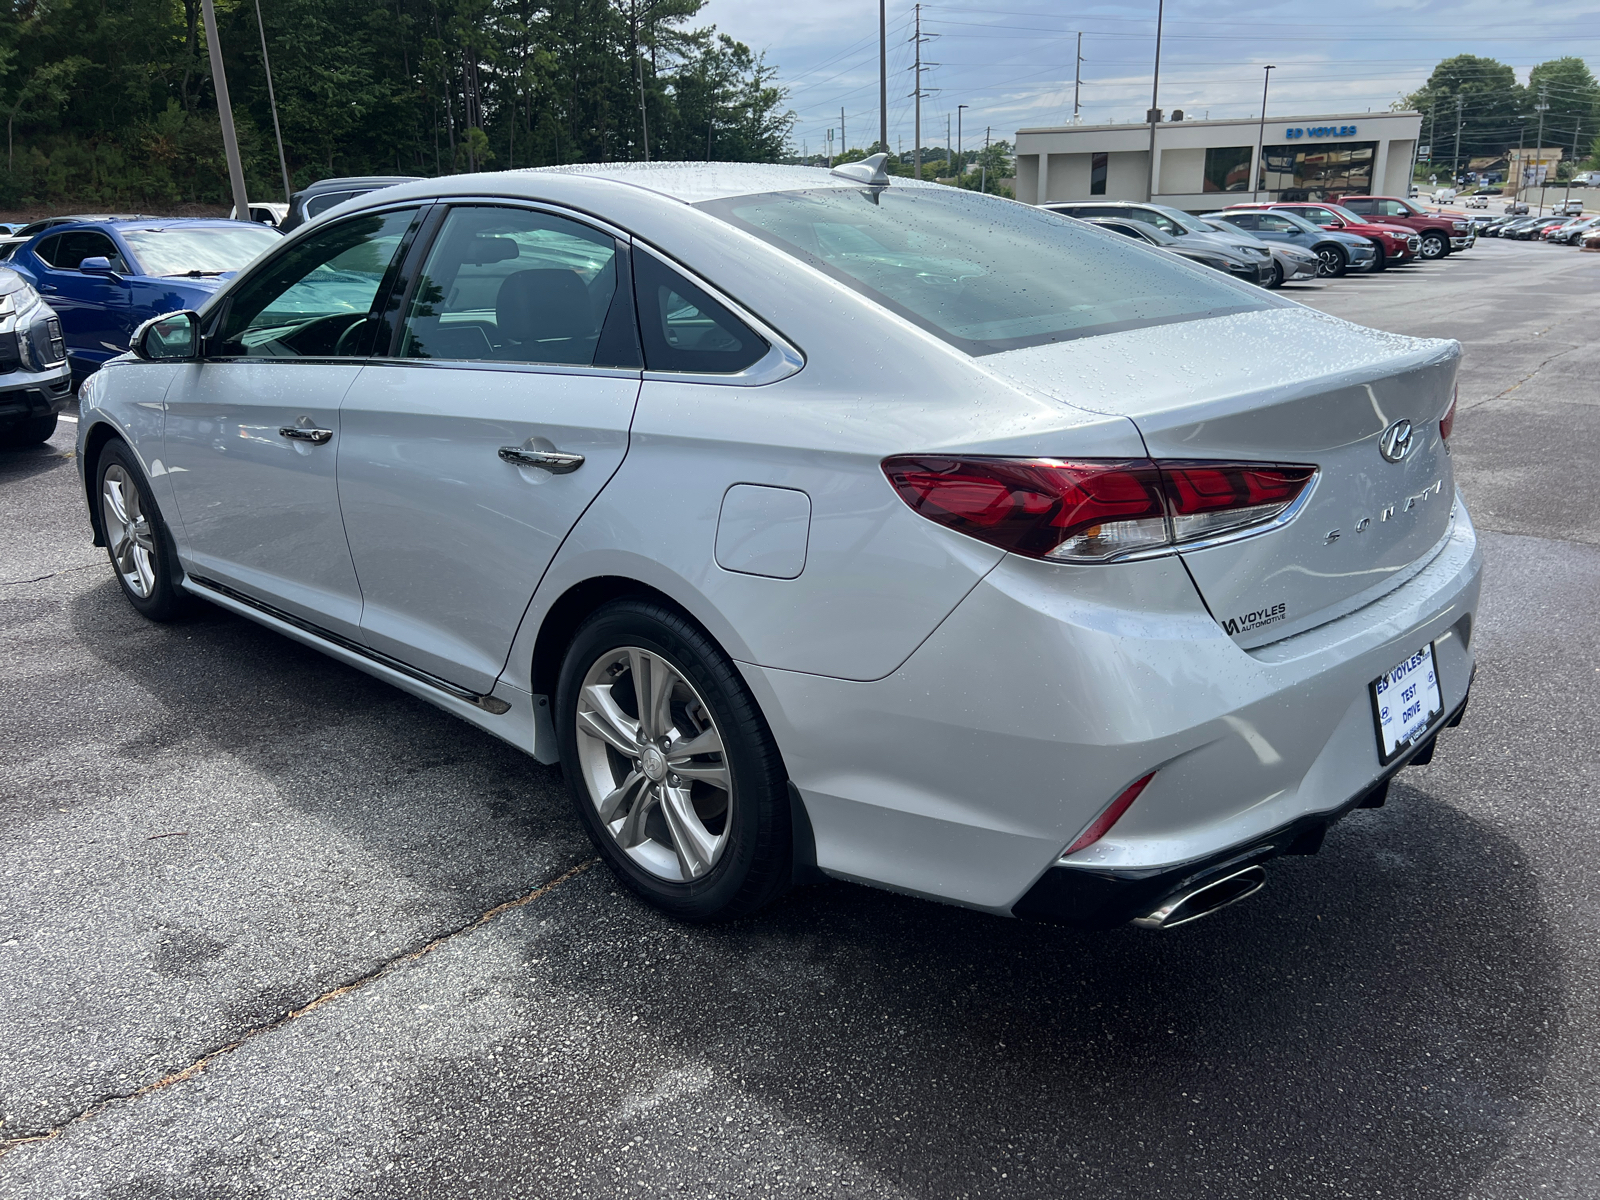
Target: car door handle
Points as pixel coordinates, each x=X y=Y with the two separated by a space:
x=316 y=437
x=48 y=287
x=553 y=461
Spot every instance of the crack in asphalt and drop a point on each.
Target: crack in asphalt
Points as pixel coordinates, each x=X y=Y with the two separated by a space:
x=1539 y=366
x=8 y=1144
x=42 y=578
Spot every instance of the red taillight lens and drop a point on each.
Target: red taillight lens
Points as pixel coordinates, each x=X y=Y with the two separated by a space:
x=1041 y=507
x=1102 y=824
x=1093 y=510
x=1447 y=423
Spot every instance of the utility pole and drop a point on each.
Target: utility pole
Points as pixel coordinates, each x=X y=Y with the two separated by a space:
x=1077 y=82
x=1155 y=112
x=283 y=163
x=1455 y=157
x=961 y=169
x=949 y=156
x=983 y=175
x=883 y=77
x=1538 y=145
x=916 y=130
x=230 y=139
x=1261 y=135
x=634 y=13
x=1575 y=131
x=843 y=144
x=1433 y=121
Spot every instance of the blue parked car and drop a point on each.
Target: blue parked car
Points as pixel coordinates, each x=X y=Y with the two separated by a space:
x=106 y=277
x=1338 y=251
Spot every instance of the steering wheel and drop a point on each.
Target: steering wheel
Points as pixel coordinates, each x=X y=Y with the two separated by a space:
x=340 y=349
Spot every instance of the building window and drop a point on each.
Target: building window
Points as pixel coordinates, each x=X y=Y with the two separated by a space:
x=1097 y=174
x=1228 y=168
x=1317 y=172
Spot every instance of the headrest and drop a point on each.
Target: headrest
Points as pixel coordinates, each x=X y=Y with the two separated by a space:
x=546 y=303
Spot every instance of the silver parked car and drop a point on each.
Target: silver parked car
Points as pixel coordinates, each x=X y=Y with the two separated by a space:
x=823 y=523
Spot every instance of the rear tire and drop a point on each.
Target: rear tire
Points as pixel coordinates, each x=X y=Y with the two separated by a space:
x=30 y=432
x=701 y=833
x=1334 y=262
x=137 y=539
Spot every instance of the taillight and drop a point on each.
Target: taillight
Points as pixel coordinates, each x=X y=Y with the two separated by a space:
x=1094 y=510
x=1447 y=423
x=1102 y=824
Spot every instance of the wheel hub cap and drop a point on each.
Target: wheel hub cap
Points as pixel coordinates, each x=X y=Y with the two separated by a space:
x=653 y=764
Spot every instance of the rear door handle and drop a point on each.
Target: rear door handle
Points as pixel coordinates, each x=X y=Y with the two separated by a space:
x=553 y=461
x=316 y=437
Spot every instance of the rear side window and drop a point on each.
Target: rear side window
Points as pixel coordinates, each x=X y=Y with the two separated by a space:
x=982 y=273
x=47 y=248
x=1357 y=205
x=684 y=329
x=318 y=205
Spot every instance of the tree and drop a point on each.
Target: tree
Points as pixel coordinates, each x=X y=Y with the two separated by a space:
x=1572 y=99
x=1491 y=100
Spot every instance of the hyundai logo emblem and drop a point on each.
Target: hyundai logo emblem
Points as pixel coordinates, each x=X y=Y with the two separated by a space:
x=1396 y=441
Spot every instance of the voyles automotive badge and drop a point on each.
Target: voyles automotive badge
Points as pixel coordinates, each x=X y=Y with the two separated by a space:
x=1396 y=441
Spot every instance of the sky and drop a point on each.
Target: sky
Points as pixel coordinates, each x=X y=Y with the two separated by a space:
x=1011 y=61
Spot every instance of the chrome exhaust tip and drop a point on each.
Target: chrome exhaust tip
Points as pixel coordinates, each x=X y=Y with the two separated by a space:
x=1183 y=907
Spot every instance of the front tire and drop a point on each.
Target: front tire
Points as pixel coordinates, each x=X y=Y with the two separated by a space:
x=137 y=539
x=672 y=768
x=30 y=432
x=1277 y=275
x=1434 y=245
x=1380 y=261
x=1334 y=262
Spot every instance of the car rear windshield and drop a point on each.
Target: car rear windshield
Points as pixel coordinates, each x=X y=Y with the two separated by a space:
x=982 y=273
x=198 y=249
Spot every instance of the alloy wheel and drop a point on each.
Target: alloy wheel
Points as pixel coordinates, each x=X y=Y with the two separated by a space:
x=653 y=764
x=128 y=532
x=1332 y=262
x=1433 y=246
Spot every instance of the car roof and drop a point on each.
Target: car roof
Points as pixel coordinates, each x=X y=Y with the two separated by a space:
x=121 y=223
x=353 y=183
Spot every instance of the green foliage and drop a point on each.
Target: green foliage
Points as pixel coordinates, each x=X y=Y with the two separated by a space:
x=110 y=102
x=1495 y=110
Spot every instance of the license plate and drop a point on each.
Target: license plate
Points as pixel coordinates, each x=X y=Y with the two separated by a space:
x=1405 y=702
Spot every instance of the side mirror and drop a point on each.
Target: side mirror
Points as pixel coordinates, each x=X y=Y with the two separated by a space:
x=98 y=265
x=171 y=337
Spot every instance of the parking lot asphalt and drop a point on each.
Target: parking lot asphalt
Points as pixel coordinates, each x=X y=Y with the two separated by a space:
x=269 y=928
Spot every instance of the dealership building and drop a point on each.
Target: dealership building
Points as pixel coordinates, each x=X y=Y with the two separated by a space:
x=1202 y=165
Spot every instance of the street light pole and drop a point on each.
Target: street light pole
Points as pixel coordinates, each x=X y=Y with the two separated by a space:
x=230 y=139
x=962 y=168
x=883 y=77
x=1261 y=136
x=1155 y=114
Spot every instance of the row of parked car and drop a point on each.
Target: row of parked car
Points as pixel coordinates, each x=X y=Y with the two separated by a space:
x=74 y=288
x=1273 y=243
x=1562 y=228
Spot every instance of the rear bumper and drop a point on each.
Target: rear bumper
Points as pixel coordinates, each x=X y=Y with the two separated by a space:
x=964 y=774
x=1104 y=899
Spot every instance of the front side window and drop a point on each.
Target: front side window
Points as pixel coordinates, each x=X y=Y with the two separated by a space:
x=199 y=249
x=513 y=285
x=1098 y=165
x=1160 y=220
x=72 y=248
x=984 y=274
x=315 y=300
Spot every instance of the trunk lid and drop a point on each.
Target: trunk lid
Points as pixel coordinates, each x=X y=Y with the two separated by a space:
x=1284 y=385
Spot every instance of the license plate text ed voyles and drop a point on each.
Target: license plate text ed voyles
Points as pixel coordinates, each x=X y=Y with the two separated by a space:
x=1405 y=702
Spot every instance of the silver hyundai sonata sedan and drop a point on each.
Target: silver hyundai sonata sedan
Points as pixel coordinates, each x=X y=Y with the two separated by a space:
x=823 y=523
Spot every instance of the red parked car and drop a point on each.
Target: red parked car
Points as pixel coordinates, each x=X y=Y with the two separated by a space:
x=1440 y=234
x=1396 y=244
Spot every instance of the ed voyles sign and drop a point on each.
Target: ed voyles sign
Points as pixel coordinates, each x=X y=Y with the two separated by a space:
x=1321 y=131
